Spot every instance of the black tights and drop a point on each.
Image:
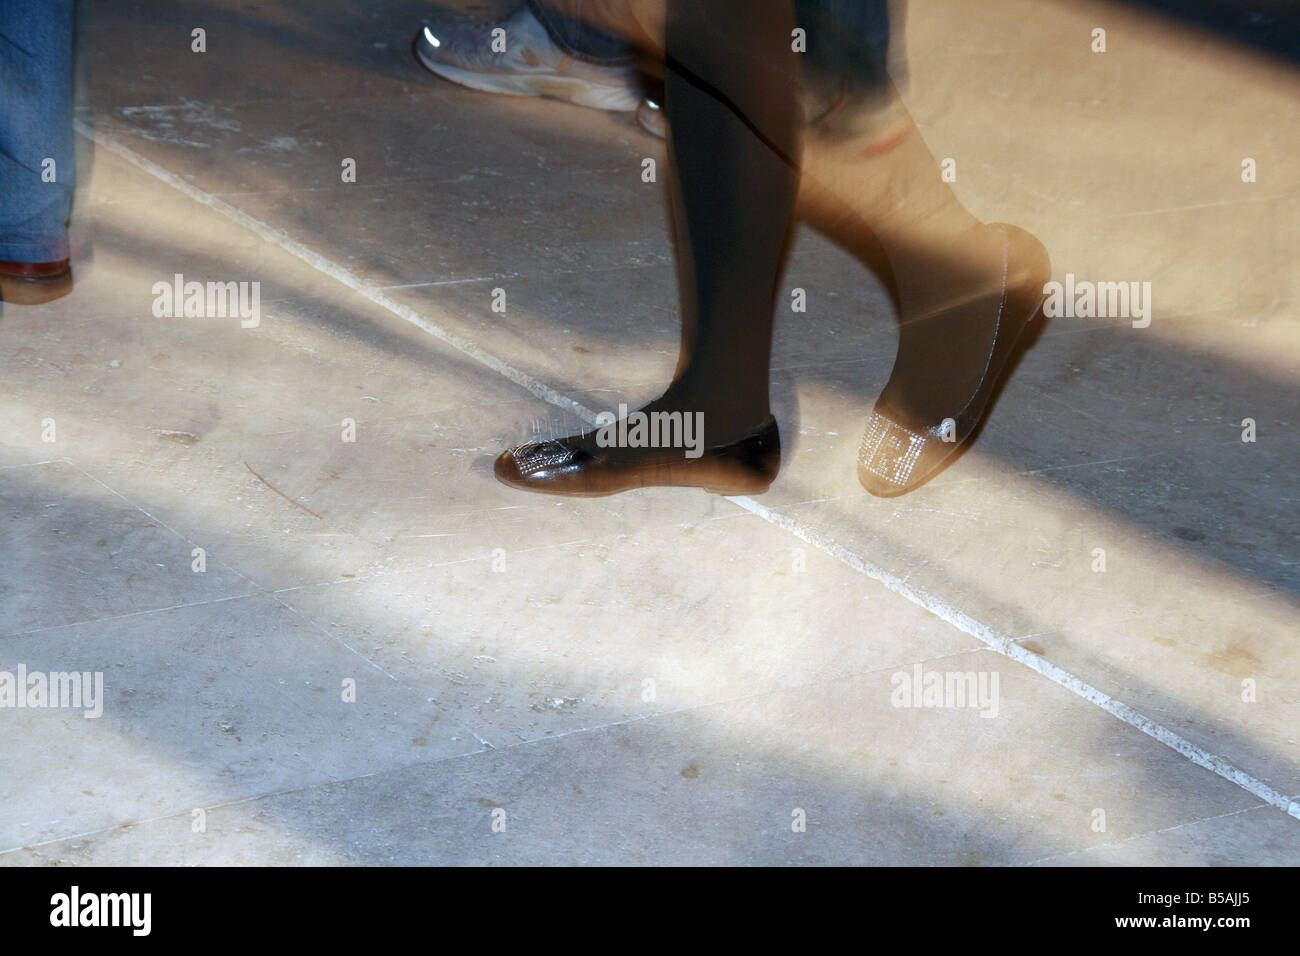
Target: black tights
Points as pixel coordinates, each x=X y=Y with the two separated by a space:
x=732 y=110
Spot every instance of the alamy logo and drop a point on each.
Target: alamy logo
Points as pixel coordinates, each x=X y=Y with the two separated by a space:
x=651 y=430
x=75 y=908
x=208 y=300
x=75 y=690
x=951 y=689
x=1098 y=300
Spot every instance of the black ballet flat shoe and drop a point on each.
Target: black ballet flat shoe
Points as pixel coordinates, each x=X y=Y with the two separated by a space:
x=916 y=429
x=566 y=466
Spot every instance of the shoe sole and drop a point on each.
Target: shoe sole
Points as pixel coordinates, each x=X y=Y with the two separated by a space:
x=568 y=89
x=34 y=290
x=734 y=491
x=723 y=492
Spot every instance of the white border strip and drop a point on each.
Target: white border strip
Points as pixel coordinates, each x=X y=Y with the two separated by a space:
x=999 y=643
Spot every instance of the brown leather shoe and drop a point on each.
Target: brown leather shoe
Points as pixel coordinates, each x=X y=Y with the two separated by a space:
x=32 y=283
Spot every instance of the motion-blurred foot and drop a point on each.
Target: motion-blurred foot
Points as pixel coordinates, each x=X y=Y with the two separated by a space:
x=949 y=364
x=529 y=65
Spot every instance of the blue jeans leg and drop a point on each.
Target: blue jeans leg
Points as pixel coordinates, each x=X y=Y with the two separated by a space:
x=37 y=168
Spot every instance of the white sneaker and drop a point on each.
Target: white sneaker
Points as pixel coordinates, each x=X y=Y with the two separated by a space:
x=530 y=65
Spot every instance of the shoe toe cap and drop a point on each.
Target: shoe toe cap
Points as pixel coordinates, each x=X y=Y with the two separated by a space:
x=888 y=456
x=506 y=469
x=534 y=463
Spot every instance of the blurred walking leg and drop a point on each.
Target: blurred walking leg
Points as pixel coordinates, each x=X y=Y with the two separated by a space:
x=966 y=291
